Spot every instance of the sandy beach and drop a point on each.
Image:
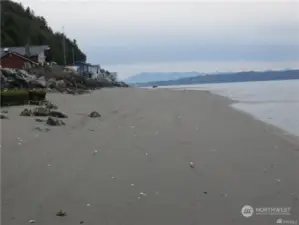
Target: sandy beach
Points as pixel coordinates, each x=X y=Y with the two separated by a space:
x=131 y=166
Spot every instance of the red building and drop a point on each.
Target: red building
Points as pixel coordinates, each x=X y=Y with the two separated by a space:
x=16 y=61
x=20 y=57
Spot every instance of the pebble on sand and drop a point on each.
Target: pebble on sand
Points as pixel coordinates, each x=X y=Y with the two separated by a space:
x=95 y=152
x=191 y=164
x=61 y=213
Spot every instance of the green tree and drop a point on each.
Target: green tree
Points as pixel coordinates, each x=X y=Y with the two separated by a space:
x=20 y=25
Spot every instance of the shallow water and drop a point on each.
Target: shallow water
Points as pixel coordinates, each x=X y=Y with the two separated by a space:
x=274 y=102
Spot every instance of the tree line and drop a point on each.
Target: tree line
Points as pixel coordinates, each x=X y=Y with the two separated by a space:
x=20 y=26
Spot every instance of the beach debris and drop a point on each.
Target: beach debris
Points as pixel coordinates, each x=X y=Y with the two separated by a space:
x=61 y=213
x=94 y=114
x=81 y=222
x=223 y=194
x=146 y=153
x=132 y=185
x=41 y=130
x=113 y=178
x=49 y=165
x=3 y=117
x=132 y=127
x=278 y=180
x=20 y=141
x=179 y=117
x=57 y=114
x=142 y=194
x=95 y=152
x=40 y=120
x=41 y=111
x=88 y=205
x=295 y=196
x=157 y=192
x=55 y=122
x=191 y=164
x=32 y=221
x=138 y=198
x=26 y=112
x=91 y=129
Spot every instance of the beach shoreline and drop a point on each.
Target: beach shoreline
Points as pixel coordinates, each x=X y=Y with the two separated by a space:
x=132 y=165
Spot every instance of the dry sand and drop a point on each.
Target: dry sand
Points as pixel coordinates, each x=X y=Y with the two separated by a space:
x=145 y=141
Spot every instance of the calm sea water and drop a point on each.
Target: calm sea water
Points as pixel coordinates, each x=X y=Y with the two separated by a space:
x=274 y=102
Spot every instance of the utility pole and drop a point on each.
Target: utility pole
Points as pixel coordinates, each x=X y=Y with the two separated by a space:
x=63 y=44
x=73 y=56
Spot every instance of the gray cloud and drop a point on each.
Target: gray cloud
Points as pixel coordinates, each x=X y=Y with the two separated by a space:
x=130 y=32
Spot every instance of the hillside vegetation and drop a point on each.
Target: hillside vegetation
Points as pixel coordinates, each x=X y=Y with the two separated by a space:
x=20 y=26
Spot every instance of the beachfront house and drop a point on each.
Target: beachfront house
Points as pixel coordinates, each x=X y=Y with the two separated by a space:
x=16 y=61
x=12 y=56
x=87 y=69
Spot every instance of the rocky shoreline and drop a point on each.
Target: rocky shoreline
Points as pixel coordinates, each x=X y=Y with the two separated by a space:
x=54 y=80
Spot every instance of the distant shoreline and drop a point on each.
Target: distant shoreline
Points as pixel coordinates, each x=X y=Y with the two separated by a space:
x=226 y=78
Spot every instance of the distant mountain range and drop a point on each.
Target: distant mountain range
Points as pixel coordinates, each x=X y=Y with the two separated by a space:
x=197 y=78
x=159 y=76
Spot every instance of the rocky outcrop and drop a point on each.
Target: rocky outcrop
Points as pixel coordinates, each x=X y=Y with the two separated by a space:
x=55 y=122
x=26 y=112
x=41 y=111
x=57 y=114
x=94 y=114
x=3 y=116
x=50 y=105
x=54 y=79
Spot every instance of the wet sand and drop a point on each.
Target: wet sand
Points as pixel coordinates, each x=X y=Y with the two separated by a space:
x=145 y=141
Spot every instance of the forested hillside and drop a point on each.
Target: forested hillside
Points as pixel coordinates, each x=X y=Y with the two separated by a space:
x=20 y=26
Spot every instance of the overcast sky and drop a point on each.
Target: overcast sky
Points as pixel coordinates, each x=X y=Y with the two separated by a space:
x=166 y=35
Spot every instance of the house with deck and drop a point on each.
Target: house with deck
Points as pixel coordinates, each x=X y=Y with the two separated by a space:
x=87 y=69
